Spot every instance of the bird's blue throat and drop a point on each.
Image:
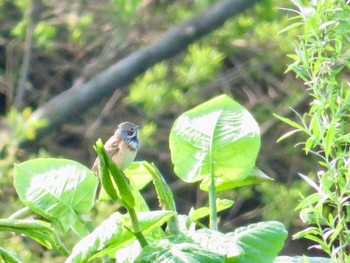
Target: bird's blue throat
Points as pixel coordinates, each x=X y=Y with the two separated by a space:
x=134 y=142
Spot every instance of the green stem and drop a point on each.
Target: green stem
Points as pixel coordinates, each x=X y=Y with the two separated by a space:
x=214 y=221
x=136 y=227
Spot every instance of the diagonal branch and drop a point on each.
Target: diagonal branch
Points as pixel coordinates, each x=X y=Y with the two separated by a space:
x=74 y=101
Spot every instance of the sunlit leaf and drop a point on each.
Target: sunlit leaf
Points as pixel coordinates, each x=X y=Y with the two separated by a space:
x=8 y=256
x=218 y=243
x=38 y=230
x=165 y=195
x=218 y=136
x=113 y=233
x=221 y=204
x=178 y=249
x=260 y=242
x=57 y=189
x=138 y=175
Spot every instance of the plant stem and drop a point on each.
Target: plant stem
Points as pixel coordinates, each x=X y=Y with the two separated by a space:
x=136 y=227
x=213 y=224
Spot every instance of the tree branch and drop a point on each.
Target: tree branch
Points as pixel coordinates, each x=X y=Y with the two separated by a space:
x=32 y=14
x=74 y=101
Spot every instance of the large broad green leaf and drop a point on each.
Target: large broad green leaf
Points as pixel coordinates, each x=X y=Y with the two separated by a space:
x=301 y=259
x=57 y=189
x=179 y=249
x=128 y=254
x=218 y=243
x=114 y=233
x=218 y=136
x=35 y=229
x=260 y=242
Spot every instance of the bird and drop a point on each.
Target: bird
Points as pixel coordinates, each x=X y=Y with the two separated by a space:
x=122 y=148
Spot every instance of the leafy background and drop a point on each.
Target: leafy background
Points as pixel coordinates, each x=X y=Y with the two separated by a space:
x=74 y=40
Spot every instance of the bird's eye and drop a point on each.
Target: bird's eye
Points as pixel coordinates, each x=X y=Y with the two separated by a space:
x=130 y=132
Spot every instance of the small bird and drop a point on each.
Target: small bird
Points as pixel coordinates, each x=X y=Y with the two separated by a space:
x=121 y=148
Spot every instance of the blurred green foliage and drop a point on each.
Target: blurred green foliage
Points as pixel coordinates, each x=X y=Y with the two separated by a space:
x=163 y=88
x=80 y=26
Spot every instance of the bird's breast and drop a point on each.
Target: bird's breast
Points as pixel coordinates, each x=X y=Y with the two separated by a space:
x=125 y=156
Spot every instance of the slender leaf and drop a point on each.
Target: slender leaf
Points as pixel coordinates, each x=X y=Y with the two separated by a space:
x=290 y=122
x=105 y=177
x=221 y=204
x=165 y=195
x=329 y=140
x=38 y=230
x=123 y=186
x=8 y=256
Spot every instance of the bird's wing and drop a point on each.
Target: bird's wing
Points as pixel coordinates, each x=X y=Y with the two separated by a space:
x=112 y=148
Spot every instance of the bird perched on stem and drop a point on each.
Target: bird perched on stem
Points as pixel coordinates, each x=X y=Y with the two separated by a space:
x=121 y=148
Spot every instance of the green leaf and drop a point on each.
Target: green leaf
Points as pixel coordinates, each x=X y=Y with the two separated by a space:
x=260 y=242
x=290 y=27
x=140 y=202
x=310 y=182
x=122 y=184
x=309 y=200
x=218 y=136
x=38 y=230
x=83 y=226
x=329 y=140
x=180 y=250
x=255 y=176
x=118 y=176
x=138 y=174
x=301 y=259
x=8 y=256
x=165 y=195
x=287 y=134
x=218 y=243
x=113 y=233
x=289 y=122
x=57 y=189
x=104 y=172
x=128 y=254
x=221 y=204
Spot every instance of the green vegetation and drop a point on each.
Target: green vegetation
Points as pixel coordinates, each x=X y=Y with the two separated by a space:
x=209 y=187
x=321 y=59
x=62 y=191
